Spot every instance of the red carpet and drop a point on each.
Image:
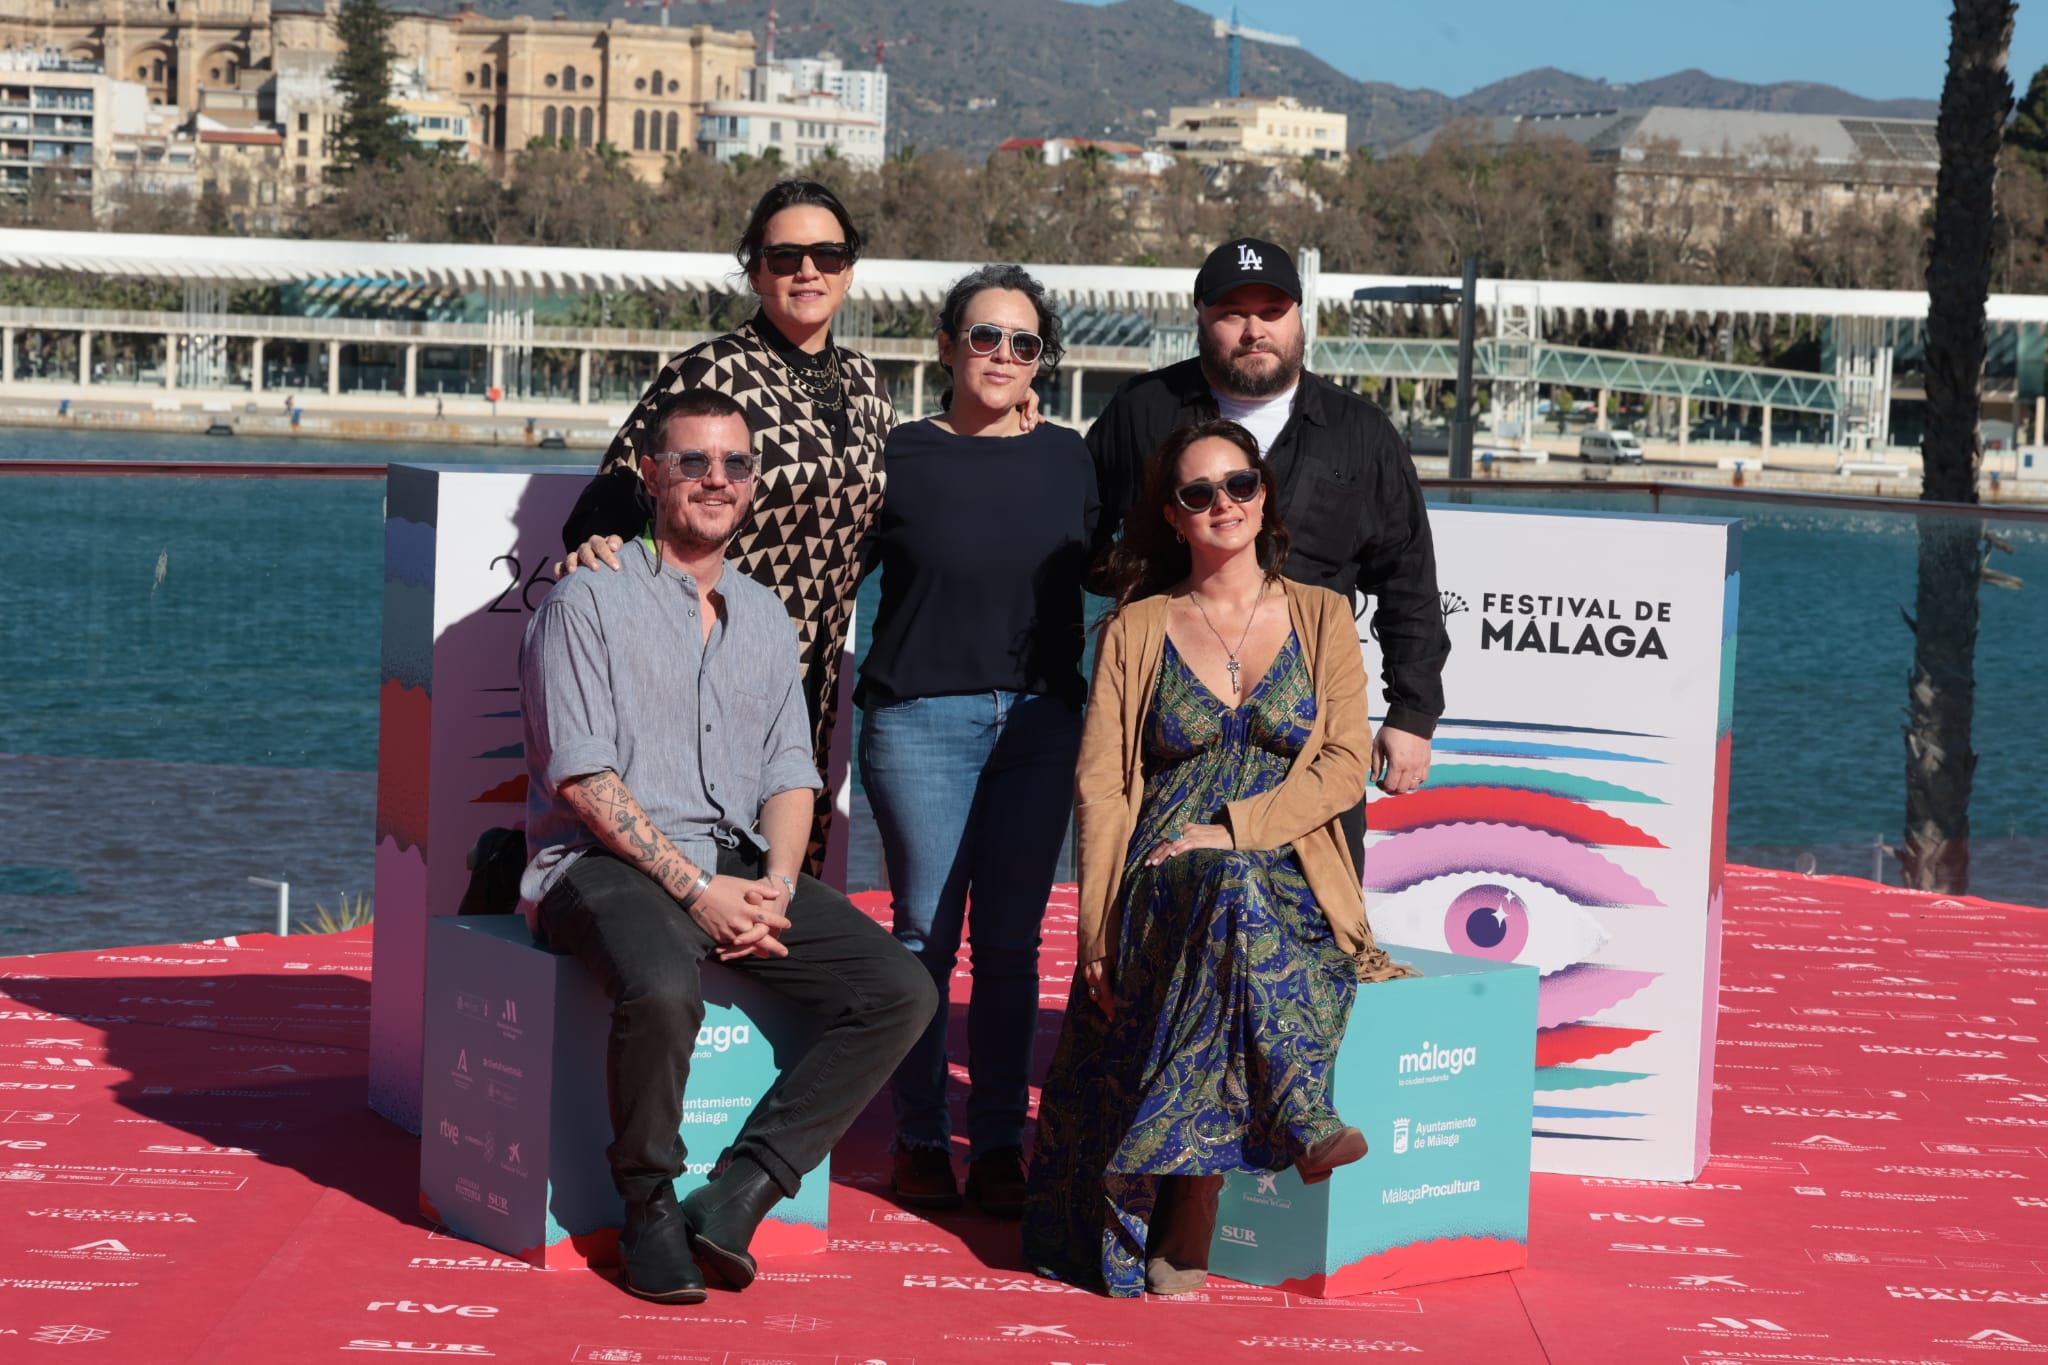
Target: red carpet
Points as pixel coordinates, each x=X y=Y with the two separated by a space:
x=188 y=1173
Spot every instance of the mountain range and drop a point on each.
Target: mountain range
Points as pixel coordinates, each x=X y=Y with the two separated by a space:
x=967 y=74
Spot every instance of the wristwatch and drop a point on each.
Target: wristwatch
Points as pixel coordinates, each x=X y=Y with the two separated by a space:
x=697 y=888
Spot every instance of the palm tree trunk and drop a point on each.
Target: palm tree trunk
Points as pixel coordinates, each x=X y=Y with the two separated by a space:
x=1941 y=697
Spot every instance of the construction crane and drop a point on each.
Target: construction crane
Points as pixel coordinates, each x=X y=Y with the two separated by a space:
x=1236 y=33
x=882 y=45
x=775 y=27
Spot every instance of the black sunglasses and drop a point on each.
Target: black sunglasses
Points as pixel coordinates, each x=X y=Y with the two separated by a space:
x=787 y=258
x=695 y=464
x=1240 y=486
x=985 y=338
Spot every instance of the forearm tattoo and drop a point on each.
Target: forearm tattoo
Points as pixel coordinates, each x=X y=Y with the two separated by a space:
x=606 y=806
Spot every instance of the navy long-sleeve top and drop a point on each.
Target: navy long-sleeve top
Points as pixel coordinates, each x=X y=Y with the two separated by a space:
x=983 y=545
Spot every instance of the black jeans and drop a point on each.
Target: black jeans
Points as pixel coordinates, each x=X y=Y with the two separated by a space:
x=869 y=996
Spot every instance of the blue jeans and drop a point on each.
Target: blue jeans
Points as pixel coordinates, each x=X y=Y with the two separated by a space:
x=972 y=796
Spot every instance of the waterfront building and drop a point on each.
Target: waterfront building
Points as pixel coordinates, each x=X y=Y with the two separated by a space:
x=157 y=161
x=862 y=92
x=59 y=118
x=243 y=168
x=1701 y=173
x=437 y=123
x=309 y=112
x=1262 y=130
x=381 y=326
x=801 y=130
x=433 y=119
x=1119 y=156
x=805 y=108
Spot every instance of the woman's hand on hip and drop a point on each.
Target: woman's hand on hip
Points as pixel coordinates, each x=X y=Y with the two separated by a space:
x=1187 y=839
x=1095 y=976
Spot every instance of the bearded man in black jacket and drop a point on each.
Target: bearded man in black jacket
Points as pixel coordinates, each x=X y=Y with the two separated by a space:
x=1348 y=491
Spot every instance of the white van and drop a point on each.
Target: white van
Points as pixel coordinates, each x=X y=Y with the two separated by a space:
x=1611 y=447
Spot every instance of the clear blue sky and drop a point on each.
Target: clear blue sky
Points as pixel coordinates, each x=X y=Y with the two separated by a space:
x=1884 y=49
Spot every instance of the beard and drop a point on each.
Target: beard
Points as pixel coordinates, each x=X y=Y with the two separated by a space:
x=1228 y=371
x=685 y=526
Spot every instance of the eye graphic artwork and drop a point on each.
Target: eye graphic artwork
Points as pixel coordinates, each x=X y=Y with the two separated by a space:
x=1501 y=861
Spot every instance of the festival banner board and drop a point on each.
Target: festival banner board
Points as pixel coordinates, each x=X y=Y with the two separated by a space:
x=467 y=557
x=1576 y=811
x=1436 y=1071
x=514 y=1116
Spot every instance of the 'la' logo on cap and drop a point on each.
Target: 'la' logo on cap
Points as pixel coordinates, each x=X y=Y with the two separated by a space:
x=1247 y=259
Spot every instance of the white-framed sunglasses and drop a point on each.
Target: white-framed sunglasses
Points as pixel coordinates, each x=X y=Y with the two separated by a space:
x=985 y=338
x=738 y=465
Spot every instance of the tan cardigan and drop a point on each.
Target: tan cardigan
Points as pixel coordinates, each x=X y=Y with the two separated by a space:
x=1327 y=777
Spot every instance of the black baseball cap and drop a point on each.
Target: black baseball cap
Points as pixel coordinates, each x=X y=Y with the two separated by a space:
x=1243 y=261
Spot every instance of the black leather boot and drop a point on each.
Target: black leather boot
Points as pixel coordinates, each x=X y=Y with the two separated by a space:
x=723 y=1216
x=655 y=1247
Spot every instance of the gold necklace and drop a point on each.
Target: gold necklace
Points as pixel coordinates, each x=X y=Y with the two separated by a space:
x=1236 y=685
x=825 y=386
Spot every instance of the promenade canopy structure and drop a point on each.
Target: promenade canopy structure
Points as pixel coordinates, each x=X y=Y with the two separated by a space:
x=1123 y=319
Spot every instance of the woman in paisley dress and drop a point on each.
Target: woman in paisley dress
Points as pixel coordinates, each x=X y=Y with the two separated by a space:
x=818 y=413
x=1222 y=928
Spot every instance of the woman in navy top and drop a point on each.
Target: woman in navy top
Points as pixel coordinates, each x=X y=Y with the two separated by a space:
x=971 y=693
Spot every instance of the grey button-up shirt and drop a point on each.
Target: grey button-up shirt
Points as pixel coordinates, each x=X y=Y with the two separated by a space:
x=615 y=672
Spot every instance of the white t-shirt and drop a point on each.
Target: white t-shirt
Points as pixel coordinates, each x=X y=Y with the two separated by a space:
x=1262 y=417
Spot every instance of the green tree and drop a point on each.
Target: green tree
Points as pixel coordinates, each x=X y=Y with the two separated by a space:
x=2028 y=132
x=1941 y=692
x=370 y=132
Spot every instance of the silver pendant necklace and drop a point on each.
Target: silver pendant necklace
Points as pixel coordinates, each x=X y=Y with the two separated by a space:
x=1236 y=683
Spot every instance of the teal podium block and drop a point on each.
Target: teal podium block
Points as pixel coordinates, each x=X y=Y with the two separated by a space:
x=514 y=1122
x=1438 y=1071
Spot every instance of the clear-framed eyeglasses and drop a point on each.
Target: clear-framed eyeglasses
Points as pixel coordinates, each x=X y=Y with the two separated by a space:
x=737 y=465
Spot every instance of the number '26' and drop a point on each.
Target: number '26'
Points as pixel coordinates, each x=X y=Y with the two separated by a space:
x=526 y=590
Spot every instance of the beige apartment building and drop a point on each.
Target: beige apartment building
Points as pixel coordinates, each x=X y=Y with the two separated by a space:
x=59 y=118
x=639 y=87
x=1264 y=130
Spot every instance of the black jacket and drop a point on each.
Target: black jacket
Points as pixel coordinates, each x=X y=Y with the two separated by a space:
x=1349 y=498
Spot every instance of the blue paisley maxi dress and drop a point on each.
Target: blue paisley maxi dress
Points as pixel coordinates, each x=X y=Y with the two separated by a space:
x=1231 y=995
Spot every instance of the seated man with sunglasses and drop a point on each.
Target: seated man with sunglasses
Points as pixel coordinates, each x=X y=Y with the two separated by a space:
x=671 y=784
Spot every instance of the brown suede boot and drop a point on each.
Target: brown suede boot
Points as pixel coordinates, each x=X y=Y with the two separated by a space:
x=1340 y=1148
x=1183 y=1225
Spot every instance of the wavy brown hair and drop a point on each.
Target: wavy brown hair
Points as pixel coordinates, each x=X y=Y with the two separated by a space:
x=1148 y=558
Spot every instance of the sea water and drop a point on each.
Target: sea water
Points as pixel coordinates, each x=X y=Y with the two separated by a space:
x=190 y=671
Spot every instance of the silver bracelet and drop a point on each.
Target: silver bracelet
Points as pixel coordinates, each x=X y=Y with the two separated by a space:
x=697 y=888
